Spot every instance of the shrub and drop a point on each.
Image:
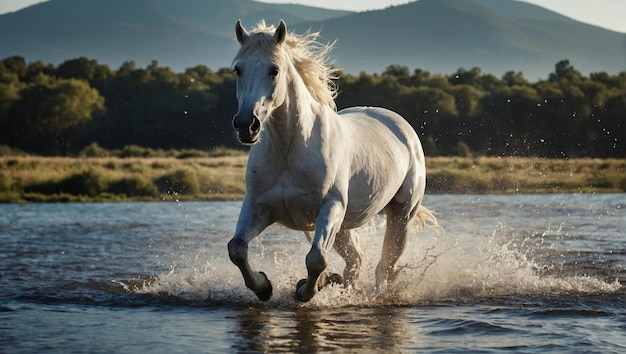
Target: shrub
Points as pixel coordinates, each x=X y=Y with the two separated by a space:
x=6 y=150
x=134 y=186
x=463 y=149
x=94 y=150
x=90 y=182
x=457 y=182
x=621 y=184
x=138 y=151
x=440 y=182
x=6 y=182
x=191 y=153
x=217 y=181
x=183 y=180
x=134 y=151
x=225 y=152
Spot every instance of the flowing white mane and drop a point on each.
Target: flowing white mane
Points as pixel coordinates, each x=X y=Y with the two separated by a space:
x=309 y=57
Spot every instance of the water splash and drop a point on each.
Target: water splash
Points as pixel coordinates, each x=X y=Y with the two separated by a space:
x=454 y=267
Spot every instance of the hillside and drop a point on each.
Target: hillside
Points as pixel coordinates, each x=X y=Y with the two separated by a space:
x=176 y=33
x=495 y=35
x=435 y=35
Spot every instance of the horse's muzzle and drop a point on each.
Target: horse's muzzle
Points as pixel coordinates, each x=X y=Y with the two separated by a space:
x=247 y=129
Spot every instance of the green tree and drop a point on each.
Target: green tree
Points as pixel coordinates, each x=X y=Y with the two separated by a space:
x=466 y=112
x=17 y=65
x=435 y=114
x=10 y=86
x=511 y=78
x=564 y=71
x=85 y=69
x=509 y=124
x=465 y=77
x=55 y=108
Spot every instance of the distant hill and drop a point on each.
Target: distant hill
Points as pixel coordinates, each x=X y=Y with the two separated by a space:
x=435 y=35
x=177 y=33
x=495 y=35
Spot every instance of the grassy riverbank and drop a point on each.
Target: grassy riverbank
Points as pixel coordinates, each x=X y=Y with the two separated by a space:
x=55 y=179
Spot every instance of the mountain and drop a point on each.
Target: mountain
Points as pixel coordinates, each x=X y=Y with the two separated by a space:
x=435 y=35
x=176 y=33
x=495 y=35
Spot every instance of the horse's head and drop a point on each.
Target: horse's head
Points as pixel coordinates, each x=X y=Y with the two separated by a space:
x=261 y=87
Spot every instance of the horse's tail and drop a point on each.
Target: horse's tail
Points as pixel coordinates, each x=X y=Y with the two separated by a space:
x=425 y=219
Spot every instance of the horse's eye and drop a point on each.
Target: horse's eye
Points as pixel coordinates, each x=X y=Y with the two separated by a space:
x=237 y=70
x=274 y=72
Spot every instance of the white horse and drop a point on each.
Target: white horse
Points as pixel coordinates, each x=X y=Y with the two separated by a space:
x=317 y=170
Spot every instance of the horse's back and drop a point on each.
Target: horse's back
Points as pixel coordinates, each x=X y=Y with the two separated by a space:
x=375 y=118
x=388 y=160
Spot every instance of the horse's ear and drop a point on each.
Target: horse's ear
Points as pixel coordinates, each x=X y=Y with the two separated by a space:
x=281 y=32
x=241 y=32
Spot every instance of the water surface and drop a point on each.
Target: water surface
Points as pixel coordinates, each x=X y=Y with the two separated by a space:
x=528 y=273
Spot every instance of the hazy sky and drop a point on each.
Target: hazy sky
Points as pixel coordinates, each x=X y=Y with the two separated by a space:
x=610 y=14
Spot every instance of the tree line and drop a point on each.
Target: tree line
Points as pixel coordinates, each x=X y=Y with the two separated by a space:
x=59 y=110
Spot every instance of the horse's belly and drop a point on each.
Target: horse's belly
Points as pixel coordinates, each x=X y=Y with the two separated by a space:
x=368 y=196
x=363 y=208
x=299 y=216
x=298 y=208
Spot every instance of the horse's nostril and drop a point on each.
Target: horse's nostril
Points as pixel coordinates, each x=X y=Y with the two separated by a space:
x=255 y=126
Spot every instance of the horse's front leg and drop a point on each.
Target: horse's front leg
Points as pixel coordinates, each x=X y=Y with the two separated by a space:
x=252 y=221
x=327 y=225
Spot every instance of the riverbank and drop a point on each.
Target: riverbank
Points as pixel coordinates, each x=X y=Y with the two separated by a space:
x=56 y=179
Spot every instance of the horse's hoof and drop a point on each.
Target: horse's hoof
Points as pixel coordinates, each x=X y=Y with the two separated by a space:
x=333 y=278
x=329 y=279
x=300 y=284
x=266 y=293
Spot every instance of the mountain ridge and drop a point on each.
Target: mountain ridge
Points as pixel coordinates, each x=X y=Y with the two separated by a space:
x=434 y=35
x=483 y=36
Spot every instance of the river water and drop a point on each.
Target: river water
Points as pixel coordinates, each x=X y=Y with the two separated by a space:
x=521 y=273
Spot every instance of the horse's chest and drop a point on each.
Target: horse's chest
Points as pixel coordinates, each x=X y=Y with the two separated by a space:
x=294 y=200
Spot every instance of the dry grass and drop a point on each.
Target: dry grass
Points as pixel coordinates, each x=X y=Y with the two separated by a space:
x=40 y=179
x=524 y=175
x=110 y=178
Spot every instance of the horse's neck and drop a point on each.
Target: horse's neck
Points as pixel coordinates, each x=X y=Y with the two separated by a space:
x=293 y=122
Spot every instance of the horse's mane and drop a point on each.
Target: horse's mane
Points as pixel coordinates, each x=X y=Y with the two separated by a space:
x=309 y=57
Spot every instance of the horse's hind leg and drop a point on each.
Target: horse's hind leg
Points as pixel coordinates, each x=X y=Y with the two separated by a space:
x=399 y=221
x=346 y=244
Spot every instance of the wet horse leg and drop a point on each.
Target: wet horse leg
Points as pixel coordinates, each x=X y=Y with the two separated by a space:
x=327 y=278
x=346 y=244
x=251 y=223
x=328 y=223
x=399 y=221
